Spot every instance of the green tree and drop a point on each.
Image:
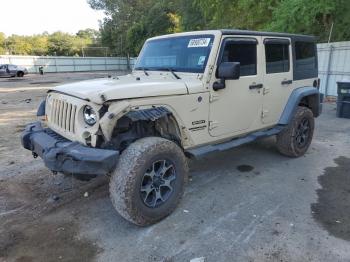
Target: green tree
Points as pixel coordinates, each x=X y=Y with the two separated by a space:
x=2 y=43
x=159 y=20
x=61 y=44
x=90 y=34
x=19 y=45
x=39 y=45
x=313 y=17
x=130 y=22
x=58 y=43
x=239 y=14
x=191 y=15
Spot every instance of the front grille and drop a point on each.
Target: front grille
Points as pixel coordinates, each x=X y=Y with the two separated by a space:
x=62 y=115
x=56 y=136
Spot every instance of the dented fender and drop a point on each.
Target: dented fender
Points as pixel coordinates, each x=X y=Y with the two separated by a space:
x=109 y=120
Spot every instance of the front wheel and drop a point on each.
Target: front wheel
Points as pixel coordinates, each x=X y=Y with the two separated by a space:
x=20 y=74
x=296 y=138
x=148 y=182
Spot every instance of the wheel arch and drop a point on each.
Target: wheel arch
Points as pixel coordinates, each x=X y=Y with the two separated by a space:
x=139 y=123
x=20 y=73
x=303 y=96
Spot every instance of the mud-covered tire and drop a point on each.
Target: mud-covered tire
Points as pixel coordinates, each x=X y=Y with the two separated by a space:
x=290 y=142
x=128 y=180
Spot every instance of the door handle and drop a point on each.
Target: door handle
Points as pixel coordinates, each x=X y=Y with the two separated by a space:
x=256 y=86
x=287 y=82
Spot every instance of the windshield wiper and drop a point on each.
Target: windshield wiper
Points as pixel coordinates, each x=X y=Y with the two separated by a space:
x=143 y=69
x=172 y=71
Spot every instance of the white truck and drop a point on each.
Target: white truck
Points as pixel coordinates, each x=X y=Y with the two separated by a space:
x=189 y=94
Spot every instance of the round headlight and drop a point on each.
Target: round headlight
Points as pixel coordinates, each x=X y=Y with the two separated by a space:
x=90 y=116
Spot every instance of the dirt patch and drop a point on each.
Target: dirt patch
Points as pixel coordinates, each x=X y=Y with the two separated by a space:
x=47 y=241
x=332 y=210
x=36 y=228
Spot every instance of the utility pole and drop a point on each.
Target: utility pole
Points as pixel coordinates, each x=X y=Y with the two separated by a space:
x=121 y=45
x=330 y=33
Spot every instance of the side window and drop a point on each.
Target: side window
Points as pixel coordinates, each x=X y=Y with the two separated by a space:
x=277 y=57
x=305 y=54
x=243 y=52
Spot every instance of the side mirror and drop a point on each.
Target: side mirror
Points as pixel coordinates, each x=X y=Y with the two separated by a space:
x=227 y=71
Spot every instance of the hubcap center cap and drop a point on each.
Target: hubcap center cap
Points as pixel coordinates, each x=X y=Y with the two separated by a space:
x=157 y=182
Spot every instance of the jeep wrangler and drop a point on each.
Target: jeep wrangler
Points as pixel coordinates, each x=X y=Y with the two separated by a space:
x=189 y=94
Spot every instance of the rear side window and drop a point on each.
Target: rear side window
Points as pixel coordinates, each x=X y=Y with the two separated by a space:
x=242 y=52
x=277 y=58
x=305 y=55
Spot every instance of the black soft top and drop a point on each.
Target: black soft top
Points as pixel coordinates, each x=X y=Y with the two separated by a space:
x=294 y=37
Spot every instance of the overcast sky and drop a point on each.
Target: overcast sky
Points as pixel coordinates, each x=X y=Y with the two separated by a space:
x=27 y=17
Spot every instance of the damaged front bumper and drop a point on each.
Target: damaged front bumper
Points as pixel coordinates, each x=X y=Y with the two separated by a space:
x=62 y=155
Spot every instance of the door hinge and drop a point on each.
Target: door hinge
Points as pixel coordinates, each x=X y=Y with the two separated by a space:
x=213 y=97
x=213 y=125
x=264 y=113
x=266 y=90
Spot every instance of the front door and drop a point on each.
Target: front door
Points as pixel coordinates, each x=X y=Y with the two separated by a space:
x=237 y=108
x=12 y=69
x=278 y=78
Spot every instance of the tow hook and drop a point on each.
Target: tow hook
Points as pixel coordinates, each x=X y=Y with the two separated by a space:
x=35 y=155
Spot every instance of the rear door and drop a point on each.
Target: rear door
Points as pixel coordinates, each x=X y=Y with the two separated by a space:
x=278 y=77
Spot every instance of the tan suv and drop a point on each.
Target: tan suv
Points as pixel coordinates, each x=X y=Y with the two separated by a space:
x=189 y=94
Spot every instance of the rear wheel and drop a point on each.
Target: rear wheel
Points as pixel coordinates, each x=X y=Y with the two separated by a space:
x=148 y=182
x=296 y=138
x=20 y=74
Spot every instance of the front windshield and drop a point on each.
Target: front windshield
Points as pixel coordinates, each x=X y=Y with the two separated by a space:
x=181 y=54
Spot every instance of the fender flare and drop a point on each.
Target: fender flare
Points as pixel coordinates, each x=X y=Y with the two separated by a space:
x=156 y=113
x=294 y=100
x=152 y=114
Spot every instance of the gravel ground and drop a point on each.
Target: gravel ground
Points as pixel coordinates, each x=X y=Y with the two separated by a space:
x=245 y=204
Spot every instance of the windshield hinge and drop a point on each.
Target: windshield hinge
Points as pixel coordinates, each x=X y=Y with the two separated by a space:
x=211 y=69
x=213 y=97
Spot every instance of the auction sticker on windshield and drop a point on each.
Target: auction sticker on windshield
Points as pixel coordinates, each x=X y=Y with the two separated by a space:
x=199 y=42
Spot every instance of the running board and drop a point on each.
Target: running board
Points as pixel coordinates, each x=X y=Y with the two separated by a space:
x=203 y=150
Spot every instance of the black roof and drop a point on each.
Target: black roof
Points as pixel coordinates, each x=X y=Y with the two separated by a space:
x=258 y=33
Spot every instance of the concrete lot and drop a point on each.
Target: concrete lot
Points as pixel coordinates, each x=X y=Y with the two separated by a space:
x=281 y=210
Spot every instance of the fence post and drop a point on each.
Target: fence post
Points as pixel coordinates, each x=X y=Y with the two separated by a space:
x=56 y=67
x=330 y=56
x=34 y=67
x=128 y=67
